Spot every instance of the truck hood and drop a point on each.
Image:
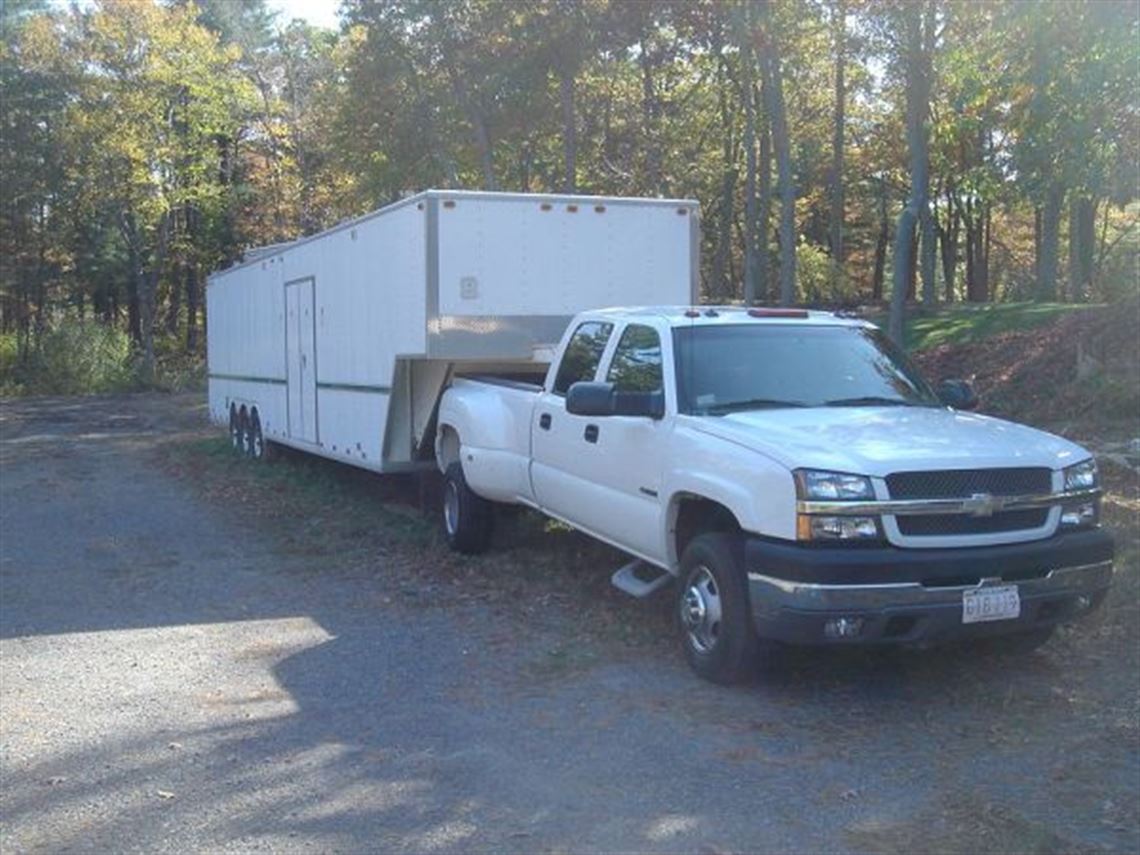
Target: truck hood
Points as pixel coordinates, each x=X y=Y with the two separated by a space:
x=879 y=440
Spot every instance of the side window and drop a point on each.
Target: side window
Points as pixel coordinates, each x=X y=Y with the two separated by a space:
x=583 y=354
x=636 y=366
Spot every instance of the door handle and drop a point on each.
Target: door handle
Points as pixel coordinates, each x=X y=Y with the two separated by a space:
x=591 y=433
x=544 y=421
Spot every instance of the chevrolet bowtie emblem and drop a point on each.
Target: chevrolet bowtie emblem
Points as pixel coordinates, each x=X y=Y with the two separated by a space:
x=983 y=505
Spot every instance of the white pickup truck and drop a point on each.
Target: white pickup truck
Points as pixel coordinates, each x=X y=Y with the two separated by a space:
x=794 y=472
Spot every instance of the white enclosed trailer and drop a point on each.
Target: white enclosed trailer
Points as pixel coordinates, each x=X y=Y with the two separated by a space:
x=341 y=344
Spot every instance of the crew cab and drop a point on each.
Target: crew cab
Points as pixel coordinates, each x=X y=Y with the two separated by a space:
x=794 y=472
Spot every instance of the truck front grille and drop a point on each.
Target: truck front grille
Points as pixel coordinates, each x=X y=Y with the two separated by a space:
x=949 y=524
x=962 y=484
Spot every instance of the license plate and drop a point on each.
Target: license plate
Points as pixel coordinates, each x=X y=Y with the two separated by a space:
x=990 y=604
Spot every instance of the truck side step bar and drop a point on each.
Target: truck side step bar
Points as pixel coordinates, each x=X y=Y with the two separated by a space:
x=630 y=579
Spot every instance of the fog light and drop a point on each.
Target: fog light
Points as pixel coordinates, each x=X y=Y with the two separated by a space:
x=837 y=528
x=844 y=627
x=1082 y=514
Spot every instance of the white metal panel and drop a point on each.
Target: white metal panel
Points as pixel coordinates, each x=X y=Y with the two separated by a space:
x=517 y=256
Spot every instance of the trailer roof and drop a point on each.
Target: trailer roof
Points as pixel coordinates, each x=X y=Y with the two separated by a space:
x=255 y=254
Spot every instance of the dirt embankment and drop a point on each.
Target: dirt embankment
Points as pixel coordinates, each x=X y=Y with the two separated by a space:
x=1079 y=374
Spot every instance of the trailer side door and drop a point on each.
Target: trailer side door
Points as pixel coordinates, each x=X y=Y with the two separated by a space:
x=300 y=350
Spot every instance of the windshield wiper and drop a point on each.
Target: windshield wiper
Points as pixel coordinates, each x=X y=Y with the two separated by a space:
x=870 y=401
x=750 y=404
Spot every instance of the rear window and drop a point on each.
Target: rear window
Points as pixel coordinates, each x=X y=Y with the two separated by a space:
x=583 y=353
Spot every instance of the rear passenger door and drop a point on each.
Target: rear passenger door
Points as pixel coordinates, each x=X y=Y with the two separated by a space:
x=563 y=486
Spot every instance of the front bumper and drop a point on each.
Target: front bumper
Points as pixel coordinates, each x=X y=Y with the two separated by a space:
x=911 y=596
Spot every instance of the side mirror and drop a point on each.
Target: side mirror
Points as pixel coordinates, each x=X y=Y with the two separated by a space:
x=958 y=394
x=601 y=399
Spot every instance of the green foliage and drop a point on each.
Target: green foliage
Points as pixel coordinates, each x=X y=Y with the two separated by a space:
x=147 y=143
x=73 y=358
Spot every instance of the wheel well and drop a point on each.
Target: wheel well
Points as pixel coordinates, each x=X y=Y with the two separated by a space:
x=446 y=447
x=696 y=515
x=242 y=414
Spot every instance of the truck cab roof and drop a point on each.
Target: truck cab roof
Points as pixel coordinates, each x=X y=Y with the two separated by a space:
x=687 y=316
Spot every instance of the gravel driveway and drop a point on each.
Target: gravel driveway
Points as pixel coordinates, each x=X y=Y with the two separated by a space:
x=174 y=677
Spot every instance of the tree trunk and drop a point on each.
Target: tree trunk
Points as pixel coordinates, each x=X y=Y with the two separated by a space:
x=134 y=323
x=1082 y=246
x=569 y=132
x=881 y=245
x=904 y=261
x=774 y=92
x=949 y=234
x=1050 y=236
x=837 y=206
x=747 y=95
x=192 y=307
x=147 y=295
x=764 y=216
x=650 y=110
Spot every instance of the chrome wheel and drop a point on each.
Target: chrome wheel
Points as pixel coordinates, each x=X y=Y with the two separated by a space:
x=451 y=508
x=256 y=442
x=701 y=610
x=235 y=433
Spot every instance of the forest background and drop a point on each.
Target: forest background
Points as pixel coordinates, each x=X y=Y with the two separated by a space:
x=844 y=152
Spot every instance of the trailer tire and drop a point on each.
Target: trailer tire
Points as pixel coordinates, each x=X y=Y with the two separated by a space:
x=257 y=446
x=718 y=636
x=468 y=519
x=237 y=432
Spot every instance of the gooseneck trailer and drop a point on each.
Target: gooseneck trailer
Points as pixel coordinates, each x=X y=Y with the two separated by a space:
x=341 y=344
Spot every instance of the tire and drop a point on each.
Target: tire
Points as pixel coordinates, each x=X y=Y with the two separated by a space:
x=257 y=446
x=717 y=633
x=468 y=519
x=237 y=432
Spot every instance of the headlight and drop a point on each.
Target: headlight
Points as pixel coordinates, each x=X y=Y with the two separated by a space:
x=813 y=485
x=1083 y=476
x=1086 y=513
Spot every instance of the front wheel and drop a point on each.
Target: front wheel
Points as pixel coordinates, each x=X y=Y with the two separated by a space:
x=467 y=518
x=719 y=639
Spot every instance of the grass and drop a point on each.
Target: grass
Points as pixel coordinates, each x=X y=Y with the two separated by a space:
x=967 y=323
x=970 y=323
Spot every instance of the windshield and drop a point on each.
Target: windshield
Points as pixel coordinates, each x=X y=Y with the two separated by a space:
x=730 y=368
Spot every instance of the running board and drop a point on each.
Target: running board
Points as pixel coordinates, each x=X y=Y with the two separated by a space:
x=627 y=579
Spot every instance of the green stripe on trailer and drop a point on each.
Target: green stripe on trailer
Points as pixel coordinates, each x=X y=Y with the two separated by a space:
x=276 y=381
x=355 y=387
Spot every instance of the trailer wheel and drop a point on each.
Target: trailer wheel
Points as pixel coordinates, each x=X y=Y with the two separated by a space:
x=237 y=435
x=257 y=446
x=468 y=519
x=719 y=639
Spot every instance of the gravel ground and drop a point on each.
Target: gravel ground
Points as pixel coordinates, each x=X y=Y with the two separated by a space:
x=176 y=675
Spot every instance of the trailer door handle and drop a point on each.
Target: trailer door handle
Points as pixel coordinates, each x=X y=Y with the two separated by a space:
x=591 y=433
x=544 y=421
